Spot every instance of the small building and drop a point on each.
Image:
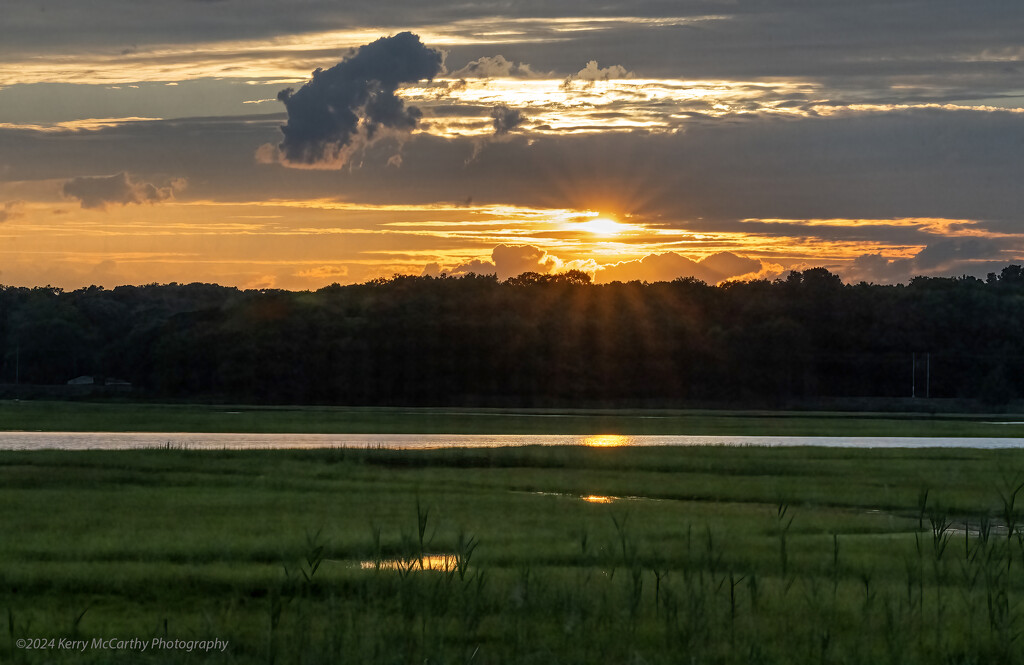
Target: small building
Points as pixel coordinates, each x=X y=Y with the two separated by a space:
x=102 y=382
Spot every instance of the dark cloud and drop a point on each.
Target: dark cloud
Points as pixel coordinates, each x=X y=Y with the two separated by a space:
x=118 y=189
x=941 y=253
x=506 y=119
x=342 y=108
x=948 y=256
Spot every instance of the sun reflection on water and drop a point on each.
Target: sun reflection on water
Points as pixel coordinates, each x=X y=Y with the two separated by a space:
x=596 y=498
x=606 y=440
x=438 y=562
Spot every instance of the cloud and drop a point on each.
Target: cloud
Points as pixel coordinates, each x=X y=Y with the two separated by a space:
x=476 y=266
x=506 y=119
x=651 y=268
x=728 y=265
x=592 y=72
x=106 y=272
x=324 y=273
x=342 y=109
x=509 y=261
x=941 y=254
x=10 y=210
x=947 y=256
x=878 y=269
x=726 y=178
x=119 y=189
x=496 y=66
x=769 y=271
x=513 y=260
x=260 y=282
x=668 y=266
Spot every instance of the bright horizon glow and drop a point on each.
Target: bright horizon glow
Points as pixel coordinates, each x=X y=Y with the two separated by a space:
x=603 y=226
x=606 y=441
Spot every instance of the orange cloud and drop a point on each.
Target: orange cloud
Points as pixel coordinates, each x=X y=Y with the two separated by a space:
x=668 y=266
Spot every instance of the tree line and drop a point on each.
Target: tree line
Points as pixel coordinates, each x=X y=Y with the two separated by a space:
x=531 y=340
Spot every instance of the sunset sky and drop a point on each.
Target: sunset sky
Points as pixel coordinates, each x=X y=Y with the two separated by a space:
x=142 y=141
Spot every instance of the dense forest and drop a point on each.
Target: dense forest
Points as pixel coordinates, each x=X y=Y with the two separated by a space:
x=529 y=341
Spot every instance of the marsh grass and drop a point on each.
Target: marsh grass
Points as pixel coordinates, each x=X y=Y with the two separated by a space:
x=727 y=556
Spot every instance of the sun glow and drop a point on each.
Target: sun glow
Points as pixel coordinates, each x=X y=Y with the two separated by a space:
x=606 y=441
x=602 y=226
x=596 y=498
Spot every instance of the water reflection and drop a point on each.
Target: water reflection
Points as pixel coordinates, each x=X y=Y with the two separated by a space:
x=596 y=498
x=240 y=441
x=440 y=562
x=606 y=440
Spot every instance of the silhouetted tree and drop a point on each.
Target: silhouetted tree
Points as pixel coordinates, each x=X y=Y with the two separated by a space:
x=534 y=339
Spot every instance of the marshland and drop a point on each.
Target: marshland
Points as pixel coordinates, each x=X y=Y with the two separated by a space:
x=518 y=555
x=527 y=554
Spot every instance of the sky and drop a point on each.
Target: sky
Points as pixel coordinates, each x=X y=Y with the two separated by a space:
x=272 y=144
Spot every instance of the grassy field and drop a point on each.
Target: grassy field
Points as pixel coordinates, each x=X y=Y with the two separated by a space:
x=554 y=555
x=147 y=417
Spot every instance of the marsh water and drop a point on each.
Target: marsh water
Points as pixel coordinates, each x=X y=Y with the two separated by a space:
x=236 y=441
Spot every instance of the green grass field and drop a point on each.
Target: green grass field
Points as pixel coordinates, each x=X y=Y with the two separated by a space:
x=557 y=555
x=149 y=417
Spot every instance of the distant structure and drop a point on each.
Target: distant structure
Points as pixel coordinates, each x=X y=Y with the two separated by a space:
x=108 y=383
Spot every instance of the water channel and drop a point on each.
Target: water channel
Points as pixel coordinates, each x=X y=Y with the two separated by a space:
x=236 y=441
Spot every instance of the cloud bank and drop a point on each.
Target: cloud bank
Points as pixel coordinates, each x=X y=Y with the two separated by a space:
x=668 y=266
x=509 y=261
x=513 y=260
x=949 y=256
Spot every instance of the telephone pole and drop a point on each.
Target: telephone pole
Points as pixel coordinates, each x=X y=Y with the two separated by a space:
x=928 y=376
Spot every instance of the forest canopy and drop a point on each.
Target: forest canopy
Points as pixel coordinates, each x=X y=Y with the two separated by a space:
x=531 y=340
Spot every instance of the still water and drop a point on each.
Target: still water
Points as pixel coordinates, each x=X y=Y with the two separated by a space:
x=233 y=441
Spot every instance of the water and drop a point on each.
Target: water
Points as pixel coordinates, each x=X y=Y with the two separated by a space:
x=234 y=441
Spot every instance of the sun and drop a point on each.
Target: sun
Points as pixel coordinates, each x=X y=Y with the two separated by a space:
x=603 y=226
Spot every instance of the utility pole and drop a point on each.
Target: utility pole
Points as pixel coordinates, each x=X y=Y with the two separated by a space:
x=928 y=376
x=913 y=375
